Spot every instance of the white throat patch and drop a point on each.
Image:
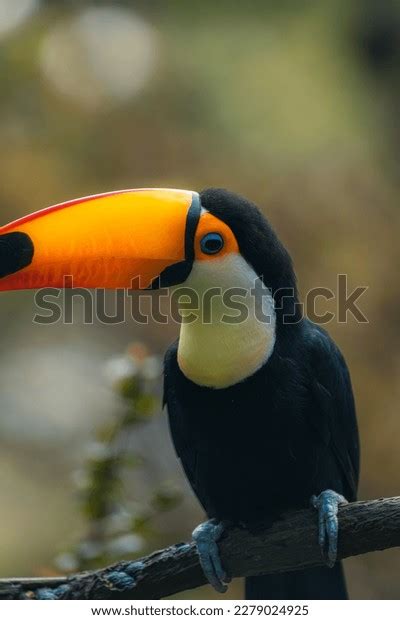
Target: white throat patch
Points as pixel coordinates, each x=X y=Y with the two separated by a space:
x=225 y=344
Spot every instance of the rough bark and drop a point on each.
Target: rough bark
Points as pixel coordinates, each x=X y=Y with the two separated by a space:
x=289 y=544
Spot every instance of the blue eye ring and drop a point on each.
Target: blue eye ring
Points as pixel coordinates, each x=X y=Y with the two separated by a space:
x=212 y=243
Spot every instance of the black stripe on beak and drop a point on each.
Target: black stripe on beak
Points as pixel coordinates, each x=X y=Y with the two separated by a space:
x=177 y=273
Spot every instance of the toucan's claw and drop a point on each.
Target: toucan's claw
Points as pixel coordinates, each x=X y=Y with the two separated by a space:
x=327 y=504
x=206 y=536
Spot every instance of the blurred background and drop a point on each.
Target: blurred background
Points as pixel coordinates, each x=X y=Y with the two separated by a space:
x=293 y=103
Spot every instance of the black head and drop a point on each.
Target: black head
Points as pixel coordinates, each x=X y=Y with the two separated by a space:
x=258 y=244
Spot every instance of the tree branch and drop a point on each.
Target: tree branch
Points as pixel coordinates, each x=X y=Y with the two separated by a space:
x=289 y=544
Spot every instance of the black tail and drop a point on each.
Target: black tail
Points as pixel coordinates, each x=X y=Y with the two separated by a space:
x=313 y=583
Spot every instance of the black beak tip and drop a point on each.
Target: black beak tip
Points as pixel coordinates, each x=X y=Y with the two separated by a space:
x=16 y=252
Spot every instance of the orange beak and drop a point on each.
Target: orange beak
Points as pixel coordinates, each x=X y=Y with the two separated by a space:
x=129 y=239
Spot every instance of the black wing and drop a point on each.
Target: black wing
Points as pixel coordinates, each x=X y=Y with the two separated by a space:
x=334 y=402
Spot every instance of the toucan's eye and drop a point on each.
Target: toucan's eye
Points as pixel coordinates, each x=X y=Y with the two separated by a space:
x=212 y=243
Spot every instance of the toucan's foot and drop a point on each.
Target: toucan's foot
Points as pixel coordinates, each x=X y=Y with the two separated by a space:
x=206 y=536
x=327 y=504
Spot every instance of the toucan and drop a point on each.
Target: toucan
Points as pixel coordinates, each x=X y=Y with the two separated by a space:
x=259 y=398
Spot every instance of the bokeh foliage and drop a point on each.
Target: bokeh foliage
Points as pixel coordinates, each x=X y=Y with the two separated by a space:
x=116 y=529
